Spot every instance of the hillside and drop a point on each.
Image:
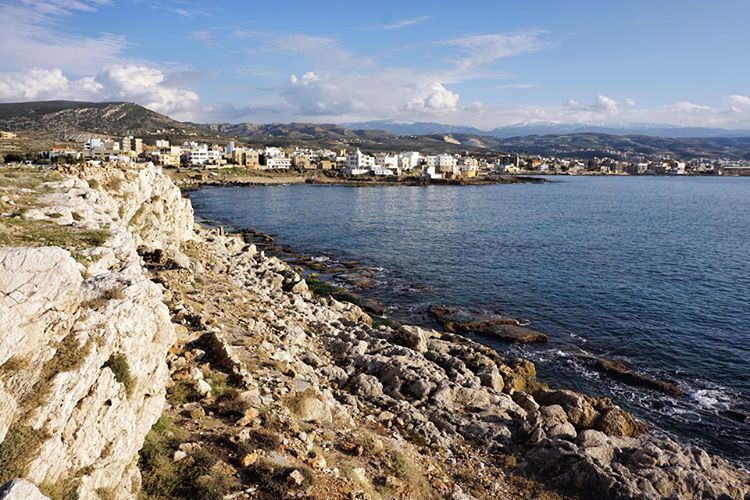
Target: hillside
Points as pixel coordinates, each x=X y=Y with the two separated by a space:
x=589 y=145
x=42 y=123
x=338 y=136
x=60 y=119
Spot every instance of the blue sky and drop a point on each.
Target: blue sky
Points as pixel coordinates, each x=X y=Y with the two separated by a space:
x=480 y=63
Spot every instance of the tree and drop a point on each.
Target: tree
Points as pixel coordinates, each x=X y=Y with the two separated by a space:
x=13 y=157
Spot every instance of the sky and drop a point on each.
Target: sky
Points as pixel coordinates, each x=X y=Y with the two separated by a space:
x=479 y=63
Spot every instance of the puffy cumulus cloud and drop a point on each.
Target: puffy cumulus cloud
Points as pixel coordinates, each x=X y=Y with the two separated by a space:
x=388 y=93
x=312 y=95
x=42 y=84
x=602 y=105
x=606 y=104
x=738 y=103
x=436 y=98
x=138 y=83
x=475 y=106
x=145 y=85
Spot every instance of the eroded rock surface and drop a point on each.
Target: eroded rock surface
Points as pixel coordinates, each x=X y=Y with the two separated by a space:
x=274 y=391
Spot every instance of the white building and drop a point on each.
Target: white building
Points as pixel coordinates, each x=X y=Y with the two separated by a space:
x=430 y=172
x=358 y=163
x=200 y=154
x=409 y=159
x=386 y=161
x=278 y=163
x=381 y=171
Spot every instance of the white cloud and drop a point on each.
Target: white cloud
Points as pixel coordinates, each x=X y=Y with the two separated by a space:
x=402 y=23
x=137 y=83
x=689 y=107
x=738 y=103
x=605 y=104
x=435 y=99
x=145 y=85
x=629 y=102
x=307 y=78
x=483 y=49
x=42 y=84
x=32 y=33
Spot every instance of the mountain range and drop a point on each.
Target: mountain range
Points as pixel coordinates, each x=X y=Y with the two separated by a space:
x=546 y=128
x=50 y=121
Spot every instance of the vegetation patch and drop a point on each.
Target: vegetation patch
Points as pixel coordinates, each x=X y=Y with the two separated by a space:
x=382 y=320
x=17 y=231
x=201 y=475
x=181 y=392
x=68 y=357
x=17 y=450
x=118 y=363
x=13 y=365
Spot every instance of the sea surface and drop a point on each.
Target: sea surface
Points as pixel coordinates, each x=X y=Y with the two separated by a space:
x=654 y=271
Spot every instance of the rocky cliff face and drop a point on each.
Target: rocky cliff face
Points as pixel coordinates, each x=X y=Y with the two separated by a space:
x=272 y=391
x=82 y=355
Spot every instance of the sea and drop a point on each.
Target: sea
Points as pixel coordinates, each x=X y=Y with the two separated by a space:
x=652 y=271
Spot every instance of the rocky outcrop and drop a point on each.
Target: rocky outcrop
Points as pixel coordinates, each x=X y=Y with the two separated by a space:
x=492 y=325
x=274 y=390
x=82 y=355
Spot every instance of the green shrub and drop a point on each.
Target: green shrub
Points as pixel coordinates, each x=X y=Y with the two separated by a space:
x=118 y=363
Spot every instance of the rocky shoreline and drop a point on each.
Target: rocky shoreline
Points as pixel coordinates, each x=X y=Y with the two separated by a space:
x=253 y=386
x=190 y=179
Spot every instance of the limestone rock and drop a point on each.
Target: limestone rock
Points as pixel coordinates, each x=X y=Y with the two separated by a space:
x=20 y=489
x=413 y=337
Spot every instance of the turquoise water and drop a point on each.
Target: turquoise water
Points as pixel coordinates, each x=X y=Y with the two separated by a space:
x=653 y=271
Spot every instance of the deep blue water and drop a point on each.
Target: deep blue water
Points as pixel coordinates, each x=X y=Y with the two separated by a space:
x=654 y=271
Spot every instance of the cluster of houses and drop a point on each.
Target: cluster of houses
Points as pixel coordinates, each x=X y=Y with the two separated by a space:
x=635 y=166
x=357 y=163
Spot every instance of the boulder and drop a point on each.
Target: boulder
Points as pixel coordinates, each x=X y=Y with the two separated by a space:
x=615 y=422
x=311 y=407
x=413 y=337
x=501 y=327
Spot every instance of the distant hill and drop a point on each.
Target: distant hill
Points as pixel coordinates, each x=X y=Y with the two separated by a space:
x=49 y=121
x=588 y=145
x=65 y=118
x=339 y=136
x=547 y=128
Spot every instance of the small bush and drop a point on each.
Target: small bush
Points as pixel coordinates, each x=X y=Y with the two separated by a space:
x=118 y=363
x=182 y=392
x=17 y=450
x=230 y=404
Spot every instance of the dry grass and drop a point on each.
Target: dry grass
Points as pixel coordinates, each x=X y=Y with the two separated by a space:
x=17 y=450
x=24 y=185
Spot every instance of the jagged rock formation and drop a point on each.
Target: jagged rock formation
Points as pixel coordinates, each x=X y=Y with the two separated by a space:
x=273 y=391
x=82 y=355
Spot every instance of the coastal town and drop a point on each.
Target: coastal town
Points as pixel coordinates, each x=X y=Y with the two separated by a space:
x=355 y=163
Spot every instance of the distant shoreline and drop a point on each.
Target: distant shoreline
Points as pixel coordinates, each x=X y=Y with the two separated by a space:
x=195 y=179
